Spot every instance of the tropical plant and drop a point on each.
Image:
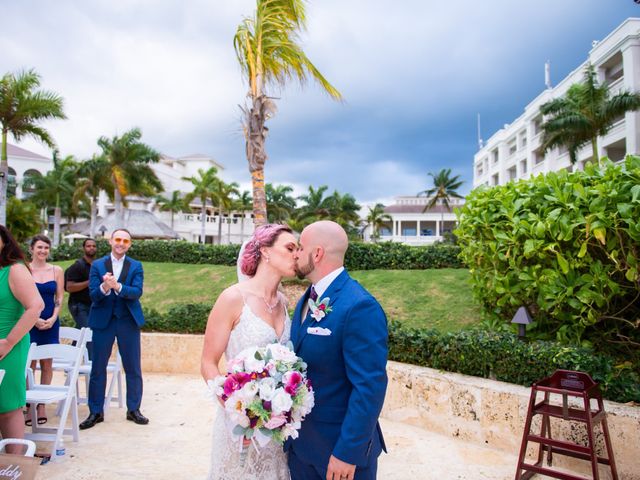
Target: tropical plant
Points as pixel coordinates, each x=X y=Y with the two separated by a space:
x=444 y=188
x=280 y=203
x=268 y=50
x=55 y=190
x=93 y=177
x=129 y=166
x=23 y=219
x=204 y=188
x=243 y=204
x=344 y=210
x=377 y=218
x=22 y=107
x=224 y=196
x=175 y=204
x=316 y=205
x=586 y=111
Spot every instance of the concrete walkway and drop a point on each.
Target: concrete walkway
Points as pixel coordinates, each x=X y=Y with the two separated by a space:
x=176 y=444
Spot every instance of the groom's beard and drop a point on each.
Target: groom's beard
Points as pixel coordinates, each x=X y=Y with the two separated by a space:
x=303 y=270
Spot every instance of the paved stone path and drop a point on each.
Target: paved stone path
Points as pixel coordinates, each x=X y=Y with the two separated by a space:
x=176 y=444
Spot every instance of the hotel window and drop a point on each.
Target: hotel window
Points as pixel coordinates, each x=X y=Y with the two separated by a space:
x=512 y=147
x=479 y=170
x=494 y=156
x=523 y=166
x=495 y=179
x=613 y=69
x=538 y=157
x=537 y=125
x=512 y=173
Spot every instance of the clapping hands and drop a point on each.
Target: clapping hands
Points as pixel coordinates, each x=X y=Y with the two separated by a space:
x=109 y=282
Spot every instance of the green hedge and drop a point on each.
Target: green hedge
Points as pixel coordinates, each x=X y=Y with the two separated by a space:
x=360 y=256
x=564 y=244
x=502 y=356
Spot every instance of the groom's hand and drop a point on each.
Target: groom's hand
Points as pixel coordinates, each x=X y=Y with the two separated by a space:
x=339 y=470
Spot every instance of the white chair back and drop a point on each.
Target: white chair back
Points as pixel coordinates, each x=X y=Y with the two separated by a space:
x=1 y=375
x=31 y=446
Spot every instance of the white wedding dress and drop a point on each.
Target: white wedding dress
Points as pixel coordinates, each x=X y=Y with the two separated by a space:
x=270 y=463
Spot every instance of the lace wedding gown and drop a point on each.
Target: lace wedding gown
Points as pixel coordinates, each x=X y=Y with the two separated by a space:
x=270 y=463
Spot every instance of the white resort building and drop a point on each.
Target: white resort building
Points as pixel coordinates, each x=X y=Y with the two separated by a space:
x=412 y=225
x=143 y=217
x=515 y=152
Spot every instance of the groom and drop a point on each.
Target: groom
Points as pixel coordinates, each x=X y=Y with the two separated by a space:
x=344 y=345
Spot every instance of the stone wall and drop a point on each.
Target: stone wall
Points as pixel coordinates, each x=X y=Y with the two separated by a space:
x=493 y=413
x=477 y=410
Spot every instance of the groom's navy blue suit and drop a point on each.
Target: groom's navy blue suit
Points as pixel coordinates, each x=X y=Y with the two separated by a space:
x=347 y=369
x=116 y=316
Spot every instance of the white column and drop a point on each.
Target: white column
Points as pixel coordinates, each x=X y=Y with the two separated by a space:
x=417 y=228
x=438 y=228
x=19 y=186
x=631 y=69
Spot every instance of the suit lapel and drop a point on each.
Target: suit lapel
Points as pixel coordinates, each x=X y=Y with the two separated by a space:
x=108 y=265
x=297 y=317
x=125 y=270
x=331 y=292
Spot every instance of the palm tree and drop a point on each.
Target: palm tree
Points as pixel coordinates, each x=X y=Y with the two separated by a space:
x=584 y=113
x=224 y=194
x=243 y=204
x=268 y=50
x=204 y=188
x=175 y=204
x=377 y=218
x=23 y=218
x=280 y=203
x=55 y=189
x=22 y=108
x=94 y=176
x=444 y=188
x=344 y=210
x=316 y=207
x=129 y=168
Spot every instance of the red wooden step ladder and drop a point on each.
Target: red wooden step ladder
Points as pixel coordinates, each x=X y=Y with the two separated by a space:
x=565 y=383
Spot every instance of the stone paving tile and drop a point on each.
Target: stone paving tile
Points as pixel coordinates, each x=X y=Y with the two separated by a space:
x=177 y=442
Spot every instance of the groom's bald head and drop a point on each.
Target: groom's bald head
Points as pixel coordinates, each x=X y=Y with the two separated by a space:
x=323 y=246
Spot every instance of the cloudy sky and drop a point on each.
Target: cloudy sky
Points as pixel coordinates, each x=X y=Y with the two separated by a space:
x=414 y=74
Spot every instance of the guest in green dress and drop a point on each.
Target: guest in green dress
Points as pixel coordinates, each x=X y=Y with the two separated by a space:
x=20 y=307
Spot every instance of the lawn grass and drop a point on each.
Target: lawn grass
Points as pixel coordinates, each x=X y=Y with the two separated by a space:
x=437 y=298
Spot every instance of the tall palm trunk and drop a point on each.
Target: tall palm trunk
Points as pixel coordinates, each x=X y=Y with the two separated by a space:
x=203 y=220
x=117 y=202
x=94 y=214
x=594 y=146
x=57 y=213
x=4 y=179
x=256 y=154
x=219 y=224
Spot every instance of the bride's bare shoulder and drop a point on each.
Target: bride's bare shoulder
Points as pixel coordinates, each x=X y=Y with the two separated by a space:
x=231 y=295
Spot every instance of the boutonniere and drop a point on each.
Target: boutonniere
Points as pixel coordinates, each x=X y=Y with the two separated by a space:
x=319 y=309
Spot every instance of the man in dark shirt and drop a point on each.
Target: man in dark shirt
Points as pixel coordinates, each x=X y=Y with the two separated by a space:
x=76 y=282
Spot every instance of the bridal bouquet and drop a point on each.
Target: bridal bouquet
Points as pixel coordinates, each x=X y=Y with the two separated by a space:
x=266 y=394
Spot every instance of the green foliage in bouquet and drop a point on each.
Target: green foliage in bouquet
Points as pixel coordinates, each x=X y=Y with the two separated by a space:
x=567 y=246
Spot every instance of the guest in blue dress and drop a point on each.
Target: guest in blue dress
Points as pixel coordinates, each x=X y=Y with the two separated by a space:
x=50 y=283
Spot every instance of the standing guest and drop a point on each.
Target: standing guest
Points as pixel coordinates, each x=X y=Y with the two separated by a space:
x=20 y=306
x=76 y=282
x=115 y=285
x=50 y=283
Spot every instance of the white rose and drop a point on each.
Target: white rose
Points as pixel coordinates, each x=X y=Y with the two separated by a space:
x=253 y=365
x=281 y=353
x=267 y=389
x=281 y=402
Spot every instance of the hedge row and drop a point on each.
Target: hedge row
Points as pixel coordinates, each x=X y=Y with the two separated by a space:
x=360 y=256
x=502 y=356
x=499 y=356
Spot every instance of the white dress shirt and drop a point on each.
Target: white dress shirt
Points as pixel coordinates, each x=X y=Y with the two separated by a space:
x=117 y=265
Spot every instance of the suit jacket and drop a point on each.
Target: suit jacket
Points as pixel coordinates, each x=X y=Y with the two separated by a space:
x=102 y=306
x=347 y=369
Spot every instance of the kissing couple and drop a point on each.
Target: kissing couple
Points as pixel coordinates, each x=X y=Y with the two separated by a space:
x=344 y=345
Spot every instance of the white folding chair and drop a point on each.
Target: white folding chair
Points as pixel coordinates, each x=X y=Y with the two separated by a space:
x=31 y=446
x=113 y=368
x=63 y=395
x=1 y=375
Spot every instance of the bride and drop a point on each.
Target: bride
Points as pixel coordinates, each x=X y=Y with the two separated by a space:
x=250 y=313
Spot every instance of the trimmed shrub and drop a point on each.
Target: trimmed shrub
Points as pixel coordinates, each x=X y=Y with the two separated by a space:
x=502 y=356
x=360 y=256
x=564 y=244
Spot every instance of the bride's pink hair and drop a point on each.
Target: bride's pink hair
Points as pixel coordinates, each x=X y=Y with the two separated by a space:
x=263 y=236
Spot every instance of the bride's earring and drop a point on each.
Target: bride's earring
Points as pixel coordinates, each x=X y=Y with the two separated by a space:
x=267 y=259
